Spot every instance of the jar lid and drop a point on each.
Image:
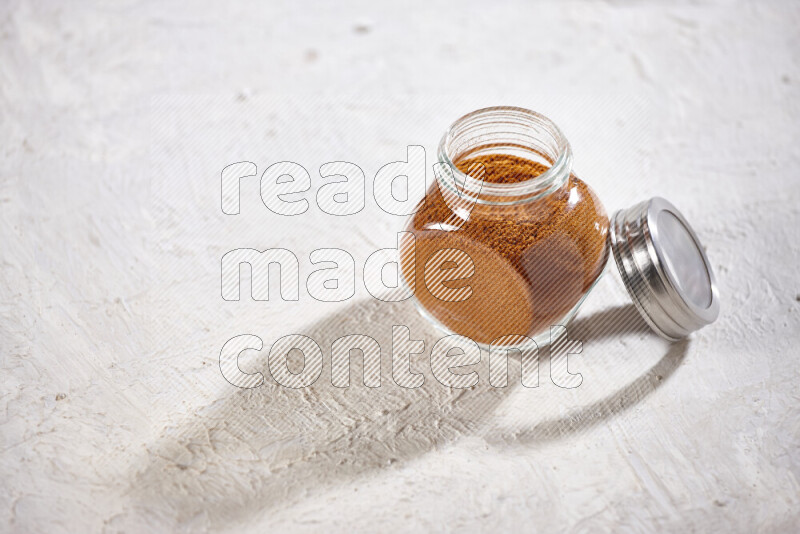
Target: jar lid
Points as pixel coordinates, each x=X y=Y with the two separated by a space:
x=664 y=268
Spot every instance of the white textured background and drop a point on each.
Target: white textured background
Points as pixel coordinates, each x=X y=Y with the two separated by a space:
x=116 y=119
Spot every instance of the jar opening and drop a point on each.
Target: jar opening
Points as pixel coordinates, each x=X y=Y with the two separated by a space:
x=512 y=131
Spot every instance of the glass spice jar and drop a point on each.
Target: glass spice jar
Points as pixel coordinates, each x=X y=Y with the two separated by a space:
x=509 y=241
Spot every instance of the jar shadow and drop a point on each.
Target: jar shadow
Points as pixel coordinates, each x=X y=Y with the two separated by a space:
x=261 y=450
x=607 y=324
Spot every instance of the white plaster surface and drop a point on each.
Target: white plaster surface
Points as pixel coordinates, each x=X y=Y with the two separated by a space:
x=116 y=120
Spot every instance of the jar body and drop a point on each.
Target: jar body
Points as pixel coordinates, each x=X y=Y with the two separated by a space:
x=527 y=254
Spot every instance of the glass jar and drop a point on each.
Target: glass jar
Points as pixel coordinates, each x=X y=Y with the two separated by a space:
x=509 y=241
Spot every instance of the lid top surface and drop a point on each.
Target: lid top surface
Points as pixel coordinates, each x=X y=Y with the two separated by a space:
x=683 y=259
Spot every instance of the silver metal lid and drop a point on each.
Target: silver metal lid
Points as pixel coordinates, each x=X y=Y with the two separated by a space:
x=664 y=268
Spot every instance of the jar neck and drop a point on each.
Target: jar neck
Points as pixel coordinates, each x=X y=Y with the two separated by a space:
x=510 y=131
